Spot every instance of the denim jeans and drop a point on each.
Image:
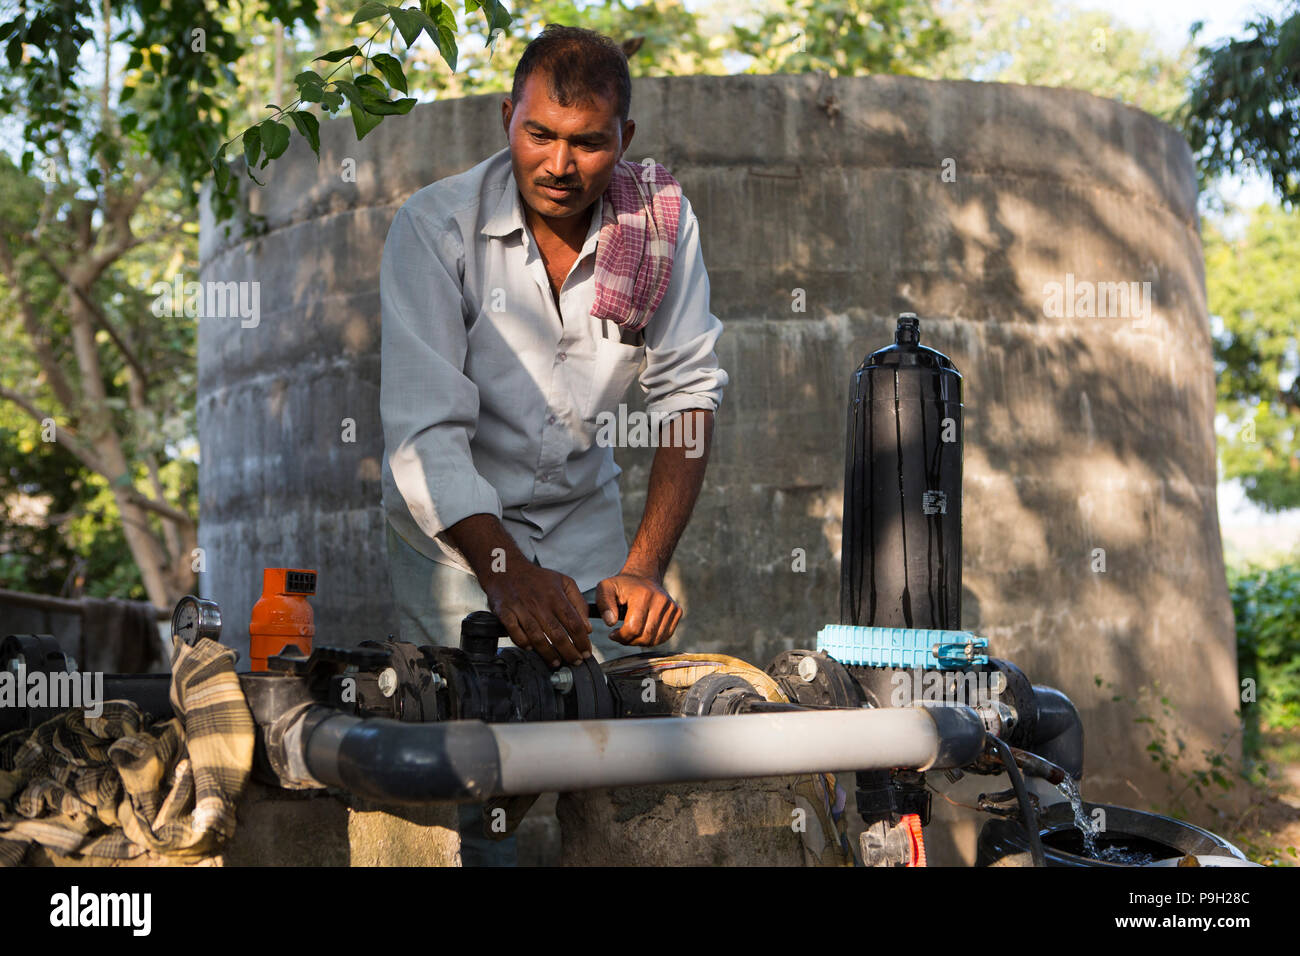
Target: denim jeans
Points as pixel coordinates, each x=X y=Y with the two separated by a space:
x=432 y=599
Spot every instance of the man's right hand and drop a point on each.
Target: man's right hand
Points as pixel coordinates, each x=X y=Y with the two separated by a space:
x=541 y=609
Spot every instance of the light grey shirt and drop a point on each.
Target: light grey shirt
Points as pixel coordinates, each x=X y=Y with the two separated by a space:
x=490 y=396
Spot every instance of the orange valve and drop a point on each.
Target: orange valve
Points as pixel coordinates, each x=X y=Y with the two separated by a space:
x=282 y=618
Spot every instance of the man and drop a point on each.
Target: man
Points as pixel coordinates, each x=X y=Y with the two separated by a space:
x=496 y=374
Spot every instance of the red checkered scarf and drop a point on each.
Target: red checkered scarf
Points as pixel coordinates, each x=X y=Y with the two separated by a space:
x=637 y=242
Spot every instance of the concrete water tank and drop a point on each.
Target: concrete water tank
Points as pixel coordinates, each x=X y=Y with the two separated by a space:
x=827 y=206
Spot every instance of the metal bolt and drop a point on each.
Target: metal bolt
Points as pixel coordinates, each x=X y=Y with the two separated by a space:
x=562 y=680
x=808 y=669
x=997 y=717
x=388 y=682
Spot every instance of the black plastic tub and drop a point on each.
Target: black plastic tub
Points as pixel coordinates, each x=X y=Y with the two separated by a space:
x=1142 y=839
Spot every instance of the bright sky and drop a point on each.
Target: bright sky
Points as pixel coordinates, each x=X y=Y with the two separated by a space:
x=1170 y=20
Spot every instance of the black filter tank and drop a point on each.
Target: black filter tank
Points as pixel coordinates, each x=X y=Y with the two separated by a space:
x=901 y=564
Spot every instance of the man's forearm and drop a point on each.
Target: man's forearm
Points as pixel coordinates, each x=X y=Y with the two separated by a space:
x=675 y=481
x=486 y=544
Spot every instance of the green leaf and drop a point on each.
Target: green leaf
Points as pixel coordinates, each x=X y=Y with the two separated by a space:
x=391 y=67
x=358 y=99
x=364 y=122
x=371 y=87
x=331 y=100
x=349 y=90
x=221 y=170
x=252 y=146
x=344 y=54
x=498 y=17
x=369 y=93
x=275 y=138
x=127 y=93
x=389 y=107
x=441 y=33
x=311 y=93
x=408 y=23
x=309 y=128
x=369 y=11
x=444 y=16
x=134 y=60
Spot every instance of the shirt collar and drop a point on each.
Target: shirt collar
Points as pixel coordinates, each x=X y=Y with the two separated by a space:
x=508 y=215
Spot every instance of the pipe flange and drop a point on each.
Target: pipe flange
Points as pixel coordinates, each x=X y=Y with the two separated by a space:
x=814 y=678
x=1018 y=694
x=713 y=694
x=605 y=706
x=465 y=701
x=591 y=691
x=537 y=697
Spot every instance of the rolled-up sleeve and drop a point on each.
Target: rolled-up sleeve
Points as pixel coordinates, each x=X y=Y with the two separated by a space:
x=428 y=406
x=681 y=369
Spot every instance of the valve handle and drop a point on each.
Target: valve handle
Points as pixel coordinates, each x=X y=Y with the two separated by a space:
x=593 y=611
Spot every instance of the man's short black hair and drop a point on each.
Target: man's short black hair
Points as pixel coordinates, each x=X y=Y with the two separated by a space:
x=582 y=65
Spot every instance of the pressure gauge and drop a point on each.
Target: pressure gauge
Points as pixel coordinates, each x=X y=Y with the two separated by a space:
x=195 y=618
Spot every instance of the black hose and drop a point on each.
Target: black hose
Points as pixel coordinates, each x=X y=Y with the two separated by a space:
x=1027 y=814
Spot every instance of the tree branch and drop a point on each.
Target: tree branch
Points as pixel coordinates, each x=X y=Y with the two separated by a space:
x=160 y=508
x=73 y=442
x=62 y=388
x=97 y=314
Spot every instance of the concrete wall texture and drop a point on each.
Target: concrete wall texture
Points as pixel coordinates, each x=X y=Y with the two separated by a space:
x=961 y=202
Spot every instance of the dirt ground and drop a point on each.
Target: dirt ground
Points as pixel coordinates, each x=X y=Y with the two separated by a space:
x=1268 y=830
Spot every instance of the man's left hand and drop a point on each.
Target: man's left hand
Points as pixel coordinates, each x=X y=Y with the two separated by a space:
x=652 y=615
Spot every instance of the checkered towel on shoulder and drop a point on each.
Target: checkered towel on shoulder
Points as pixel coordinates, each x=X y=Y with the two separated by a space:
x=637 y=242
x=117 y=787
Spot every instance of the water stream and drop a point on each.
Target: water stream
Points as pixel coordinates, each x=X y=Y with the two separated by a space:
x=1111 y=853
x=1070 y=788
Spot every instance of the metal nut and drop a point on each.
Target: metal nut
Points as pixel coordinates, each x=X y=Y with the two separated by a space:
x=562 y=680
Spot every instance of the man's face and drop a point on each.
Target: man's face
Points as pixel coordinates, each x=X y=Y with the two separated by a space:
x=573 y=147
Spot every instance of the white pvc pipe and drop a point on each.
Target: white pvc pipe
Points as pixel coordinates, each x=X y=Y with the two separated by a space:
x=559 y=756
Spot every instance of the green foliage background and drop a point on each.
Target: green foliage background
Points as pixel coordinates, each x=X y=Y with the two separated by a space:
x=1266 y=604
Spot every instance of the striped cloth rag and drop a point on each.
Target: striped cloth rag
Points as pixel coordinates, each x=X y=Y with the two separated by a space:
x=636 y=243
x=115 y=787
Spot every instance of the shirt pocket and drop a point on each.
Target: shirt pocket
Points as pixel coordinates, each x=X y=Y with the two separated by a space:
x=615 y=369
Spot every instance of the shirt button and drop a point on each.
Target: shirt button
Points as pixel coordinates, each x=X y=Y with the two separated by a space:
x=550 y=420
x=563 y=355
